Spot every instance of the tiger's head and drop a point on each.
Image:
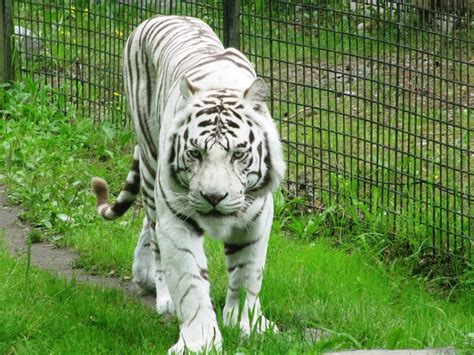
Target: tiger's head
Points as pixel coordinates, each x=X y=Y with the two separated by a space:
x=224 y=150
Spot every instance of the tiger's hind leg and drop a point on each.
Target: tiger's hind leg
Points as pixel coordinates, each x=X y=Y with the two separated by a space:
x=144 y=261
x=147 y=271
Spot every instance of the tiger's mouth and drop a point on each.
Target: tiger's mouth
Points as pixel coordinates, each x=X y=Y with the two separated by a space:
x=214 y=213
x=212 y=209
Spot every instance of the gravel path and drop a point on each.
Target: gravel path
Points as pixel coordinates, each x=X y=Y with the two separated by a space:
x=57 y=261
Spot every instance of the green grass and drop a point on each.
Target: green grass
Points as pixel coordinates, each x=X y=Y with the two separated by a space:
x=363 y=299
x=358 y=303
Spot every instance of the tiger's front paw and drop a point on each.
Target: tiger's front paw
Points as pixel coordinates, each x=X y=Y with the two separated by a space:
x=198 y=340
x=164 y=305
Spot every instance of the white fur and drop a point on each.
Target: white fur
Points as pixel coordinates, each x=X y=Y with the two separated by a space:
x=180 y=267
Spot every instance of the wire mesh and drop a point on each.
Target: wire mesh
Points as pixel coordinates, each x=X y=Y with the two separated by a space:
x=75 y=47
x=374 y=99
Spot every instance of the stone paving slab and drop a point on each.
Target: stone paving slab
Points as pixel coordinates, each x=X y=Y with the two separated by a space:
x=443 y=351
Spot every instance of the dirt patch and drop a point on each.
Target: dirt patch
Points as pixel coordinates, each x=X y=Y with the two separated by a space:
x=57 y=261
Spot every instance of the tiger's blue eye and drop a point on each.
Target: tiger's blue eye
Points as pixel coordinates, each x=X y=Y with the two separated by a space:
x=238 y=155
x=196 y=154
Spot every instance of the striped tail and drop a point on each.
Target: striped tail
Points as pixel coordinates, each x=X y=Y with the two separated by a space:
x=127 y=196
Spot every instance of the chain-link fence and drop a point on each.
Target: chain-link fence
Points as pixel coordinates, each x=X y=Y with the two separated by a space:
x=373 y=98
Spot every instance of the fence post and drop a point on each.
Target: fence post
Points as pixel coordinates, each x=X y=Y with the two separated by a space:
x=6 y=31
x=232 y=23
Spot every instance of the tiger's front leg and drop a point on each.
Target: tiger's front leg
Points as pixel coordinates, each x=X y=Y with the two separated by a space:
x=185 y=266
x=245 y=264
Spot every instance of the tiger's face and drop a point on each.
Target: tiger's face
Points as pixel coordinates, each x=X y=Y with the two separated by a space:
x=225 y=151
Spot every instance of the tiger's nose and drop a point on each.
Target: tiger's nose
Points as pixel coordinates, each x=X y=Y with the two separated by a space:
x=214 y=199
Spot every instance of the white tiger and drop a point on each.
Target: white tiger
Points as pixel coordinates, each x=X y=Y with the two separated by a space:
x=208 y=158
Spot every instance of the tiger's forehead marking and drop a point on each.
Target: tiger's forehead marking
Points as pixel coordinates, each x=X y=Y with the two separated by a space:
x=218 y=120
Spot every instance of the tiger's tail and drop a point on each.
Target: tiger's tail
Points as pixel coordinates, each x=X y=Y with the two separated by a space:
x=127 y=196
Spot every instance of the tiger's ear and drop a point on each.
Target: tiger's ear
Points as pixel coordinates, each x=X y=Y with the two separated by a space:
x=187 y=87
x=258 y=91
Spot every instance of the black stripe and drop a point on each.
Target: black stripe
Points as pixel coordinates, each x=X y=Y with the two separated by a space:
x=133 y=187
x=239 y=265
x=148 y=184
x=195 y=315
x=206 y=123
x=202 y=76
x=259 y=213
x=120 y=208
x=185 y=294
x=251 y=136
x=173 y=150
x=141 y=121
x=223 y=96
x=149 y=203
x=206 y=102
x=204 y=274
x=230 y=288
x=161 y=28
x=148 y=86
x=213 y=60
x=232 y=124
x=230 y=249
x=236 y=114
x=268 y=162
x=210 y=110
x=148 y=167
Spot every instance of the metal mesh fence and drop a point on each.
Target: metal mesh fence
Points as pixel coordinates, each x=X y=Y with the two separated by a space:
x=76 y=46
x=373 y=99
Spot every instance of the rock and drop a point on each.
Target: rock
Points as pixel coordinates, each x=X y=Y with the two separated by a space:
x=27 y=42
x=364 y=26
x=445 y=23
